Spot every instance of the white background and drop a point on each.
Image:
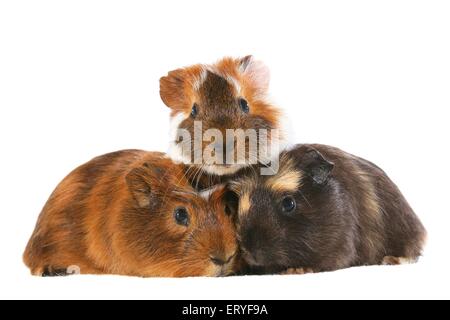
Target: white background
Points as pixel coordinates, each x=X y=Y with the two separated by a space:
x=81 y=78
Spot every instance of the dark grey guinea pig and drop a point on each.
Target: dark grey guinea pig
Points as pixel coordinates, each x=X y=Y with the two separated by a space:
x=325 y=210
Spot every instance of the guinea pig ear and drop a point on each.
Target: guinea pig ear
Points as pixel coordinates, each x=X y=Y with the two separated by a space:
x=245 y=62
x=139 y=186
x=172 y=89
x=256 y=72
x=314 y=164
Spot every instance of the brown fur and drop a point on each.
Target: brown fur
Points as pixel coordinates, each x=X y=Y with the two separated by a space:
x=348 y=213
x=115 y=215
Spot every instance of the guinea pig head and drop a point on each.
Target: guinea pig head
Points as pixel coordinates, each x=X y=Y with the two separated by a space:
x=221 y=114
x=282 y=218
x=174 y=231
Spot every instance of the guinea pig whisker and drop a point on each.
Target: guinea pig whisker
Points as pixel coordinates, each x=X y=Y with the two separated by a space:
x=189 y=173
x=306 y=200
x=202 y=171
x=305 y=243
x=210 y=181
x=183 y=176
x=194 y=176
x=193 y=170
x=198 y=176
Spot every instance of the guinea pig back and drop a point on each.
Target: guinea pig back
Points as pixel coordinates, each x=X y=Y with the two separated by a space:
x=132 y=213
x=325 y=210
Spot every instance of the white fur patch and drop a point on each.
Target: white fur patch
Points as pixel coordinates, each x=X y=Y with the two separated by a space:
x=407 y=261
x=175 y=152
x=206 y=194
x=235 y=83
x=221 y=170
x=389 y=260
x=198 y=83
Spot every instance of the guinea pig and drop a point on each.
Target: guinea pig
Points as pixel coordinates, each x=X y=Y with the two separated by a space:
x=217 y=110
x=132 y=213
x=325 y=210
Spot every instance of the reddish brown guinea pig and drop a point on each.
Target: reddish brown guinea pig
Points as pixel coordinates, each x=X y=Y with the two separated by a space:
x=132 y=213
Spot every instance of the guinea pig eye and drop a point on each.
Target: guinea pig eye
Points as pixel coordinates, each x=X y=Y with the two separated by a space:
x=194 y=111
x=244 y=105
x=182 y=217
x=288 y=204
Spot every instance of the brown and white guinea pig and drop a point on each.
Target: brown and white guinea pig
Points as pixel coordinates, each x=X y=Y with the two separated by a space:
x=325 y=210
x=132 y=213
x=231 y=94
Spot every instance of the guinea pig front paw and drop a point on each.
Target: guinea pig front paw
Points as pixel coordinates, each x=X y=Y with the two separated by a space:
x=297 y=271
x=395 y=261
x=55 y=272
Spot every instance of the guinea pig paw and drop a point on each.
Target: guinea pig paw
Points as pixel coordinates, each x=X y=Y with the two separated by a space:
x=54 y=272
x=396 y=261
x=297 y=271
